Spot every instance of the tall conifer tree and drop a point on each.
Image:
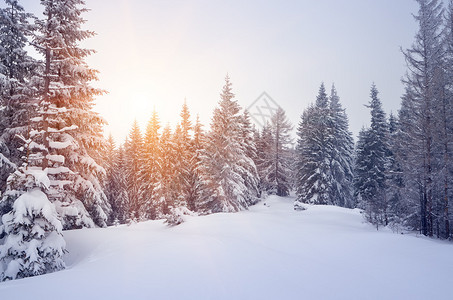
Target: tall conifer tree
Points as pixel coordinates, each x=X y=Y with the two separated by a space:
x=423 y=93
x=149 y=170
x=313 y=150
x=371 y=164
x=342 y=154
x=224 y=160
x=134 y=153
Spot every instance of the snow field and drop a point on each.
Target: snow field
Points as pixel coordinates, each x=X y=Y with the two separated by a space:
x=268 y=252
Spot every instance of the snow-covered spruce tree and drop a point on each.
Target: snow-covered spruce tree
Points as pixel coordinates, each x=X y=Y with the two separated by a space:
x=166 y=173
x=278 y=170
x=324 y=151
x=411 y=193
x=371 y=164
x=108 y=160
x=263 y=161
x=178 y=159
x=149 y=171
x=250 y=172
x=119 y=199
x=196 y=186
x=182 y=142
x=394 y=176
x=34 y=243
x=314 y=146
x=16 y=86
x=190 y=155
x=176 y=184
x=69 y=131
x=424 y=61
x=115 y=182
x=363 y=187
x=133 y=149
x=224 y=158
x=293 y=166
x=341 y=158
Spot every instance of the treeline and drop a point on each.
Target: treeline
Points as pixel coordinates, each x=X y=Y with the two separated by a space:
x=164 y=174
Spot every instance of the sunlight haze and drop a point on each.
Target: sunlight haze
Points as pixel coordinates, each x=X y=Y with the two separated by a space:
x=156 y=53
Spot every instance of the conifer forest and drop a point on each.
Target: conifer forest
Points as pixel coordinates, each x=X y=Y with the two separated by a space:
x=61 y=173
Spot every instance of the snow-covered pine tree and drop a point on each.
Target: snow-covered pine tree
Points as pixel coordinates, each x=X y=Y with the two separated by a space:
x=394 y=177
x=109 y=158
x=178 y=170
x=314 y=147
x=363 y=185
x=190 y=154
x=293 y=166
x=223 y=159
x=411 y=193
x=166 y=171
x=250 y=172
x=183 y=158
x=149 y=171
x=371 y=164
x=133 y=149
x=195 y=183
x=186 y=125
x=179 y=186
x=34 y=243
x=341 y=158
x=264 y=142
x=119 y=199
x=69 y=131
x=278 y=170
x=16 y=86
x=424 y=61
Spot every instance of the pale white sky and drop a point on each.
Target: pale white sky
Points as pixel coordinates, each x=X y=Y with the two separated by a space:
x=155 y=53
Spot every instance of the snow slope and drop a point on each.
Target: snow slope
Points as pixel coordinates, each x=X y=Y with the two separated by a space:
x=268 y=252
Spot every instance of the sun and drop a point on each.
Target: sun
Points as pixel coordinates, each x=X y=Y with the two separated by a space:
x=141 y=105
x=142 y=102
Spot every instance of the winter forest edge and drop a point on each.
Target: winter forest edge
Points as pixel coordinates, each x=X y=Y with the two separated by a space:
x=58 y=172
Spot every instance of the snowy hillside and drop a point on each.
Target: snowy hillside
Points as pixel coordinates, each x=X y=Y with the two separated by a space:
x=268 y=252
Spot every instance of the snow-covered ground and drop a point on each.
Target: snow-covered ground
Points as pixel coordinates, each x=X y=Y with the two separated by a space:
x=268 y=252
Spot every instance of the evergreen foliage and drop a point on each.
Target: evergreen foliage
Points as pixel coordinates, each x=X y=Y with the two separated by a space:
x=324 y=154
x=226 y=169
x=341 y=158
x=278 y=172
x=371 y=164
x=68 y=131
x=313 y=147
x=149 y=171
x=17 y=69
x=133 y=149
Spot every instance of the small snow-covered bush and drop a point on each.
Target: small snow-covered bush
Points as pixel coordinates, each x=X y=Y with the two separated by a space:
x=177 y=215
x=299 y=206
x=34 y=242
